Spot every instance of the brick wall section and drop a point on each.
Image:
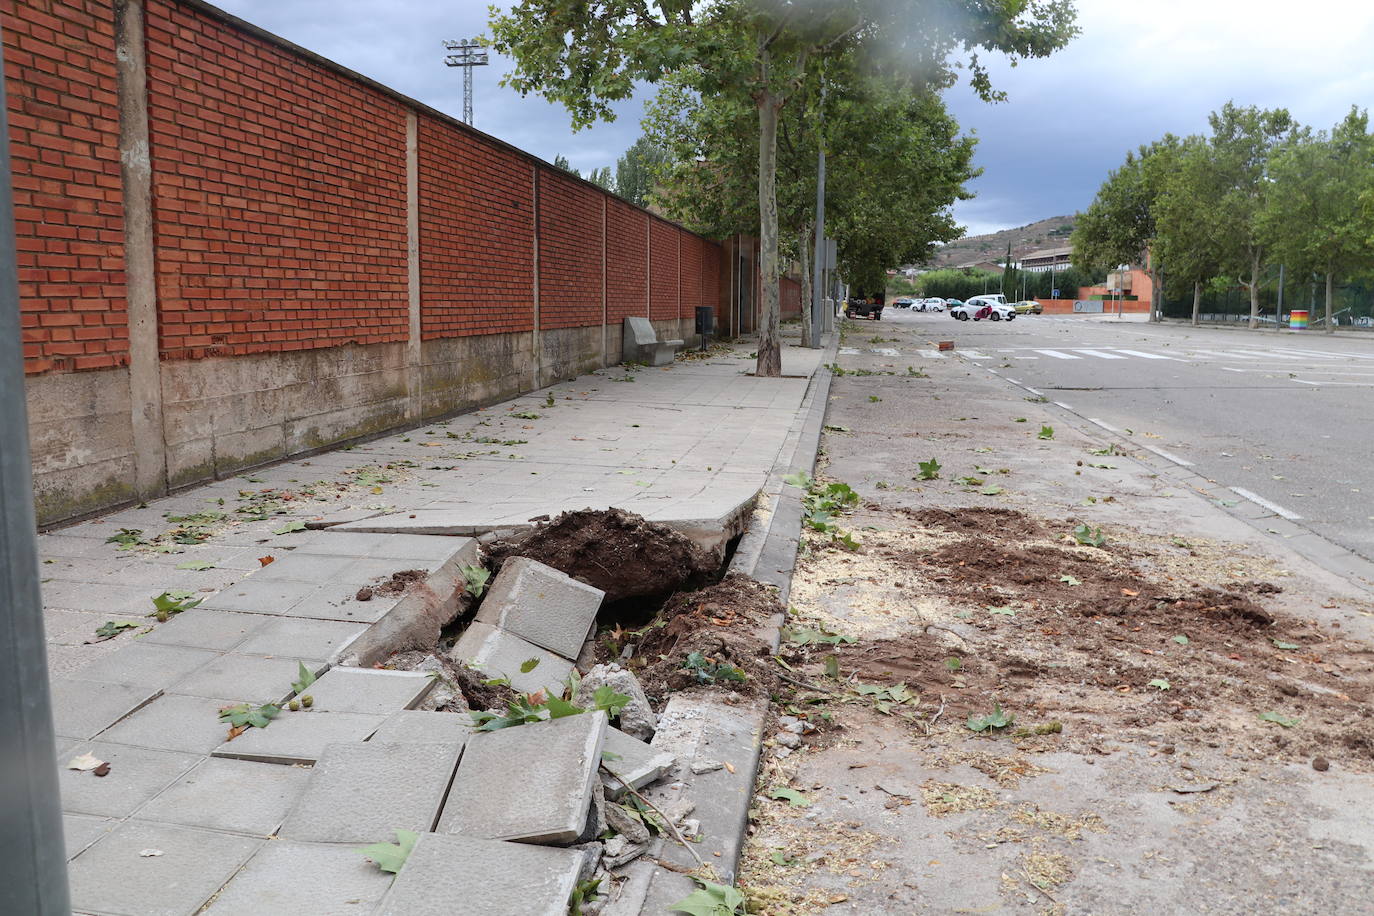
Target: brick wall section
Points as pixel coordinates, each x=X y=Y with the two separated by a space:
x=791 y=297
x=569 y=252
x=68 y=216
x=476 y=235
x=626 y=264
x=712 y=258
x=691 y=274
x=279 y=193
x=663 y=287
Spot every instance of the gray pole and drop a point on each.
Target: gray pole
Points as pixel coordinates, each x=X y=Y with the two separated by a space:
x=818 y=250
x=33 y=869
x=1278 y=309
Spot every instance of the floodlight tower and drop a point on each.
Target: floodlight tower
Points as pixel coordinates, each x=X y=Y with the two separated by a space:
x=466 y=53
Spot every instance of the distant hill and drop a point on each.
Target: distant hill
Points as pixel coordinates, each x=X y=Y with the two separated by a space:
x=1047 y=233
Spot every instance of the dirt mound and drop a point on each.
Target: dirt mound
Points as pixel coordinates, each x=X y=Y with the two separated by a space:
x=1000 y=523
x=723 y=624
x=399 y=582
x=628 y=558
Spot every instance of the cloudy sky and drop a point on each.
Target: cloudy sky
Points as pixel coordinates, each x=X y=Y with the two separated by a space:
x=1137 y=71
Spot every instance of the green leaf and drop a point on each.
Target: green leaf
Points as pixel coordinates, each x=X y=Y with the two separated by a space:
x=799 y=479
x=1278 y=719
x=1280 y=644
x=290 y=527
x=929 y=469
x=994 y=720
x=1004 y=611
x=954 y=664
x=782 y=858
x=1159 y=683
x=832 y=666
x=196 y=565
x=791 y=796
x=1069 y=580
x=560 y=708
x=710 y=900
x=991 y=490
x=605 y=698
x=304 y=678
x=114 y=627
x=391 y=856
x=529 y=665
x=476 y=578
x=1046 y=432
x=1181 y=640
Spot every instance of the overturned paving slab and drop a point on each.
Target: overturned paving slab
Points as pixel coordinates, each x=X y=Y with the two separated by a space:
x=541 y=605
x=633 y=762
x=368 y=690
x=500 y=654
x=362 y=793
x=530 y=784
x=468 y=876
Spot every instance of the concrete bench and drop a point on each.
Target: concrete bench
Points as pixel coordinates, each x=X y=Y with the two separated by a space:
x=641 y=345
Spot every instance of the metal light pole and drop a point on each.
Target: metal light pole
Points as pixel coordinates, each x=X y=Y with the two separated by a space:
x=467 y=53
x=1278 y=308
x=818 y=250
x=33 y=870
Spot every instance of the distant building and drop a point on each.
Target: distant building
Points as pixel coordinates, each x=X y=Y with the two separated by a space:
x=1047 y=260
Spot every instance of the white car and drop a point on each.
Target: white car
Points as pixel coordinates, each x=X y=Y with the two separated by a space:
x=935 y=304
x=974 y=308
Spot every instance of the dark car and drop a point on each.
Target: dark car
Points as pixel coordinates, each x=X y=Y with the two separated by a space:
x=871 y=307
x=951 y=305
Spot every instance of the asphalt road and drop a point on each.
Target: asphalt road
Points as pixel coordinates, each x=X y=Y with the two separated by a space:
x=1284 y=418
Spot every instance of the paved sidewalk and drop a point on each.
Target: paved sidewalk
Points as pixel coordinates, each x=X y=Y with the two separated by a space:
x=696 y=440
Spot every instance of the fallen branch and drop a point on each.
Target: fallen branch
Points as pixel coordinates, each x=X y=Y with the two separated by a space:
x=672 y=828
x=815 y=687
x=1032 y=883
x=936 y=718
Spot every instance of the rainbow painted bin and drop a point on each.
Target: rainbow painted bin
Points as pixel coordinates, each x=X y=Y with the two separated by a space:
x=1297 y=319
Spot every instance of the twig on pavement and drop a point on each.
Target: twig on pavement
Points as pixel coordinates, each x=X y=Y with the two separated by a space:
x=672 y=828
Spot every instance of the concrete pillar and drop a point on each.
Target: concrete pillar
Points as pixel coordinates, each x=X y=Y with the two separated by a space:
x=534 y=337
x=414 y=370
x=136 y=172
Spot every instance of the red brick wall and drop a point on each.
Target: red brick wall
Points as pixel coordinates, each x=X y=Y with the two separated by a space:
x=476 y=235
x=712 y=260
x=663 y=278
x=626 y=263
x=791 y=297
x=691 y=274
x=279 y=192
x=68 y=216
x=569 y=252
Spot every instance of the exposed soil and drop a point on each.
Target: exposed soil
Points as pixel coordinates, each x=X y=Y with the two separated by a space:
x=471 y=684
x=637 y=563
x=996 y=523
x=400 y=582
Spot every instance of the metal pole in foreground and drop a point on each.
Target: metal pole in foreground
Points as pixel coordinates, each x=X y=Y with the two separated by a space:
x=818 y=250
x=1278 y=308
x=33 y=870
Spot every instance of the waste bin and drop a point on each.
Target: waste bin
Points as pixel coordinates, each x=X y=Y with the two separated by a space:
x=1297 y=319
x=706 y=321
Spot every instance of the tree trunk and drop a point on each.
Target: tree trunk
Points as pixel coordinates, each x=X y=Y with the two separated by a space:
x=1254 y=290
x=1329 y=328
x=804 y=257
x=770 y=351
x=1197 y=301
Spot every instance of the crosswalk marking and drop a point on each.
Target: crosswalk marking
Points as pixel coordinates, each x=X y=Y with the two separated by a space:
x=1057 y=355
x=931 y=354
x=1142 y=355
x=1100 y=354
x=975 y=354
x=1224 y=355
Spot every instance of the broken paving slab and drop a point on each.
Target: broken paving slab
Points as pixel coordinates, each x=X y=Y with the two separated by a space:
x=147 y=666
x=136 y=775
x=420 y=726
x=324 y=640
x=84 y=709
x=469 y=876
x=500 y=654
x=238 y=796
x=300 y=737
x=246 y=678
x=200 y=628
x=361 y=793
x=289 y=877
x=530 y=784
x=368 y=690
x=173 y=722
x=633 y=762
x=541 y=605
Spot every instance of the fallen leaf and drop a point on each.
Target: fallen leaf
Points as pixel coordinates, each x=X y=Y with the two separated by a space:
x=102 y=770
x=1189 y=790
x=730 y=767
x=235 y=732
x=84 y=762
x=266 y=560
x=1129 y=592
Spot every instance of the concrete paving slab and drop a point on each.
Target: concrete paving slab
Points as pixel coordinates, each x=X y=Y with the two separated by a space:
x=239 y=796
x=113 y=878
x=300 y=567
x=531 y=784
x=322 y=640
x=303 y=878
x=419 y=726
x=173 y=723
x=81 y=830
x=511 y=879
x=541 y=605
x=246 y=678
x=147 y=666
x=299 y=737
x=83 y=709
x=200 y=628
x=341 y=517
x=336 y=601
x=136 y=775
x=369 y=690
x=272 y=596
x=635 y=762
x=501 y=654
x=361 y=793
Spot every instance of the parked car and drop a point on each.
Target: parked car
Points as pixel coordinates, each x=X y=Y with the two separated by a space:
x=864 y=308
x=933 y=304
x=953 y=304
x=904 y=303
x=1028 y=307
x=978 y=310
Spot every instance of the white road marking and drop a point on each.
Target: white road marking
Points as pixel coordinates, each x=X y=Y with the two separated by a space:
x=1303 y=381
x=1223 y=355
x=1061 y=404
x=975 y=354
x=1142 y=355
x=1057 y=355
x=1099 y=354
x=1270 y=355
x=1266 y=504
x=1182 y=462
x=1231 y=369
x=1107 y=426
x=931 y=354
x=1033 y=391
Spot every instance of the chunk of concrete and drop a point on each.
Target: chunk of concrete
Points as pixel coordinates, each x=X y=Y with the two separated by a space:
x=420 y=726
x=469 y=876
x=637 y=719
x=300 y=737
x=368 y=690
x=360 y=793
x=531 y=784
x=501 y=654
x=634 y=762
x=287 y=877
x=541 y=605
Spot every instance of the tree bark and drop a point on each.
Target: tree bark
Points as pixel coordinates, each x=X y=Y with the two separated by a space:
x=1197 y=301
x=1254 y=290
x=804 y=257
x=1329 y=328
x=770 y=351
